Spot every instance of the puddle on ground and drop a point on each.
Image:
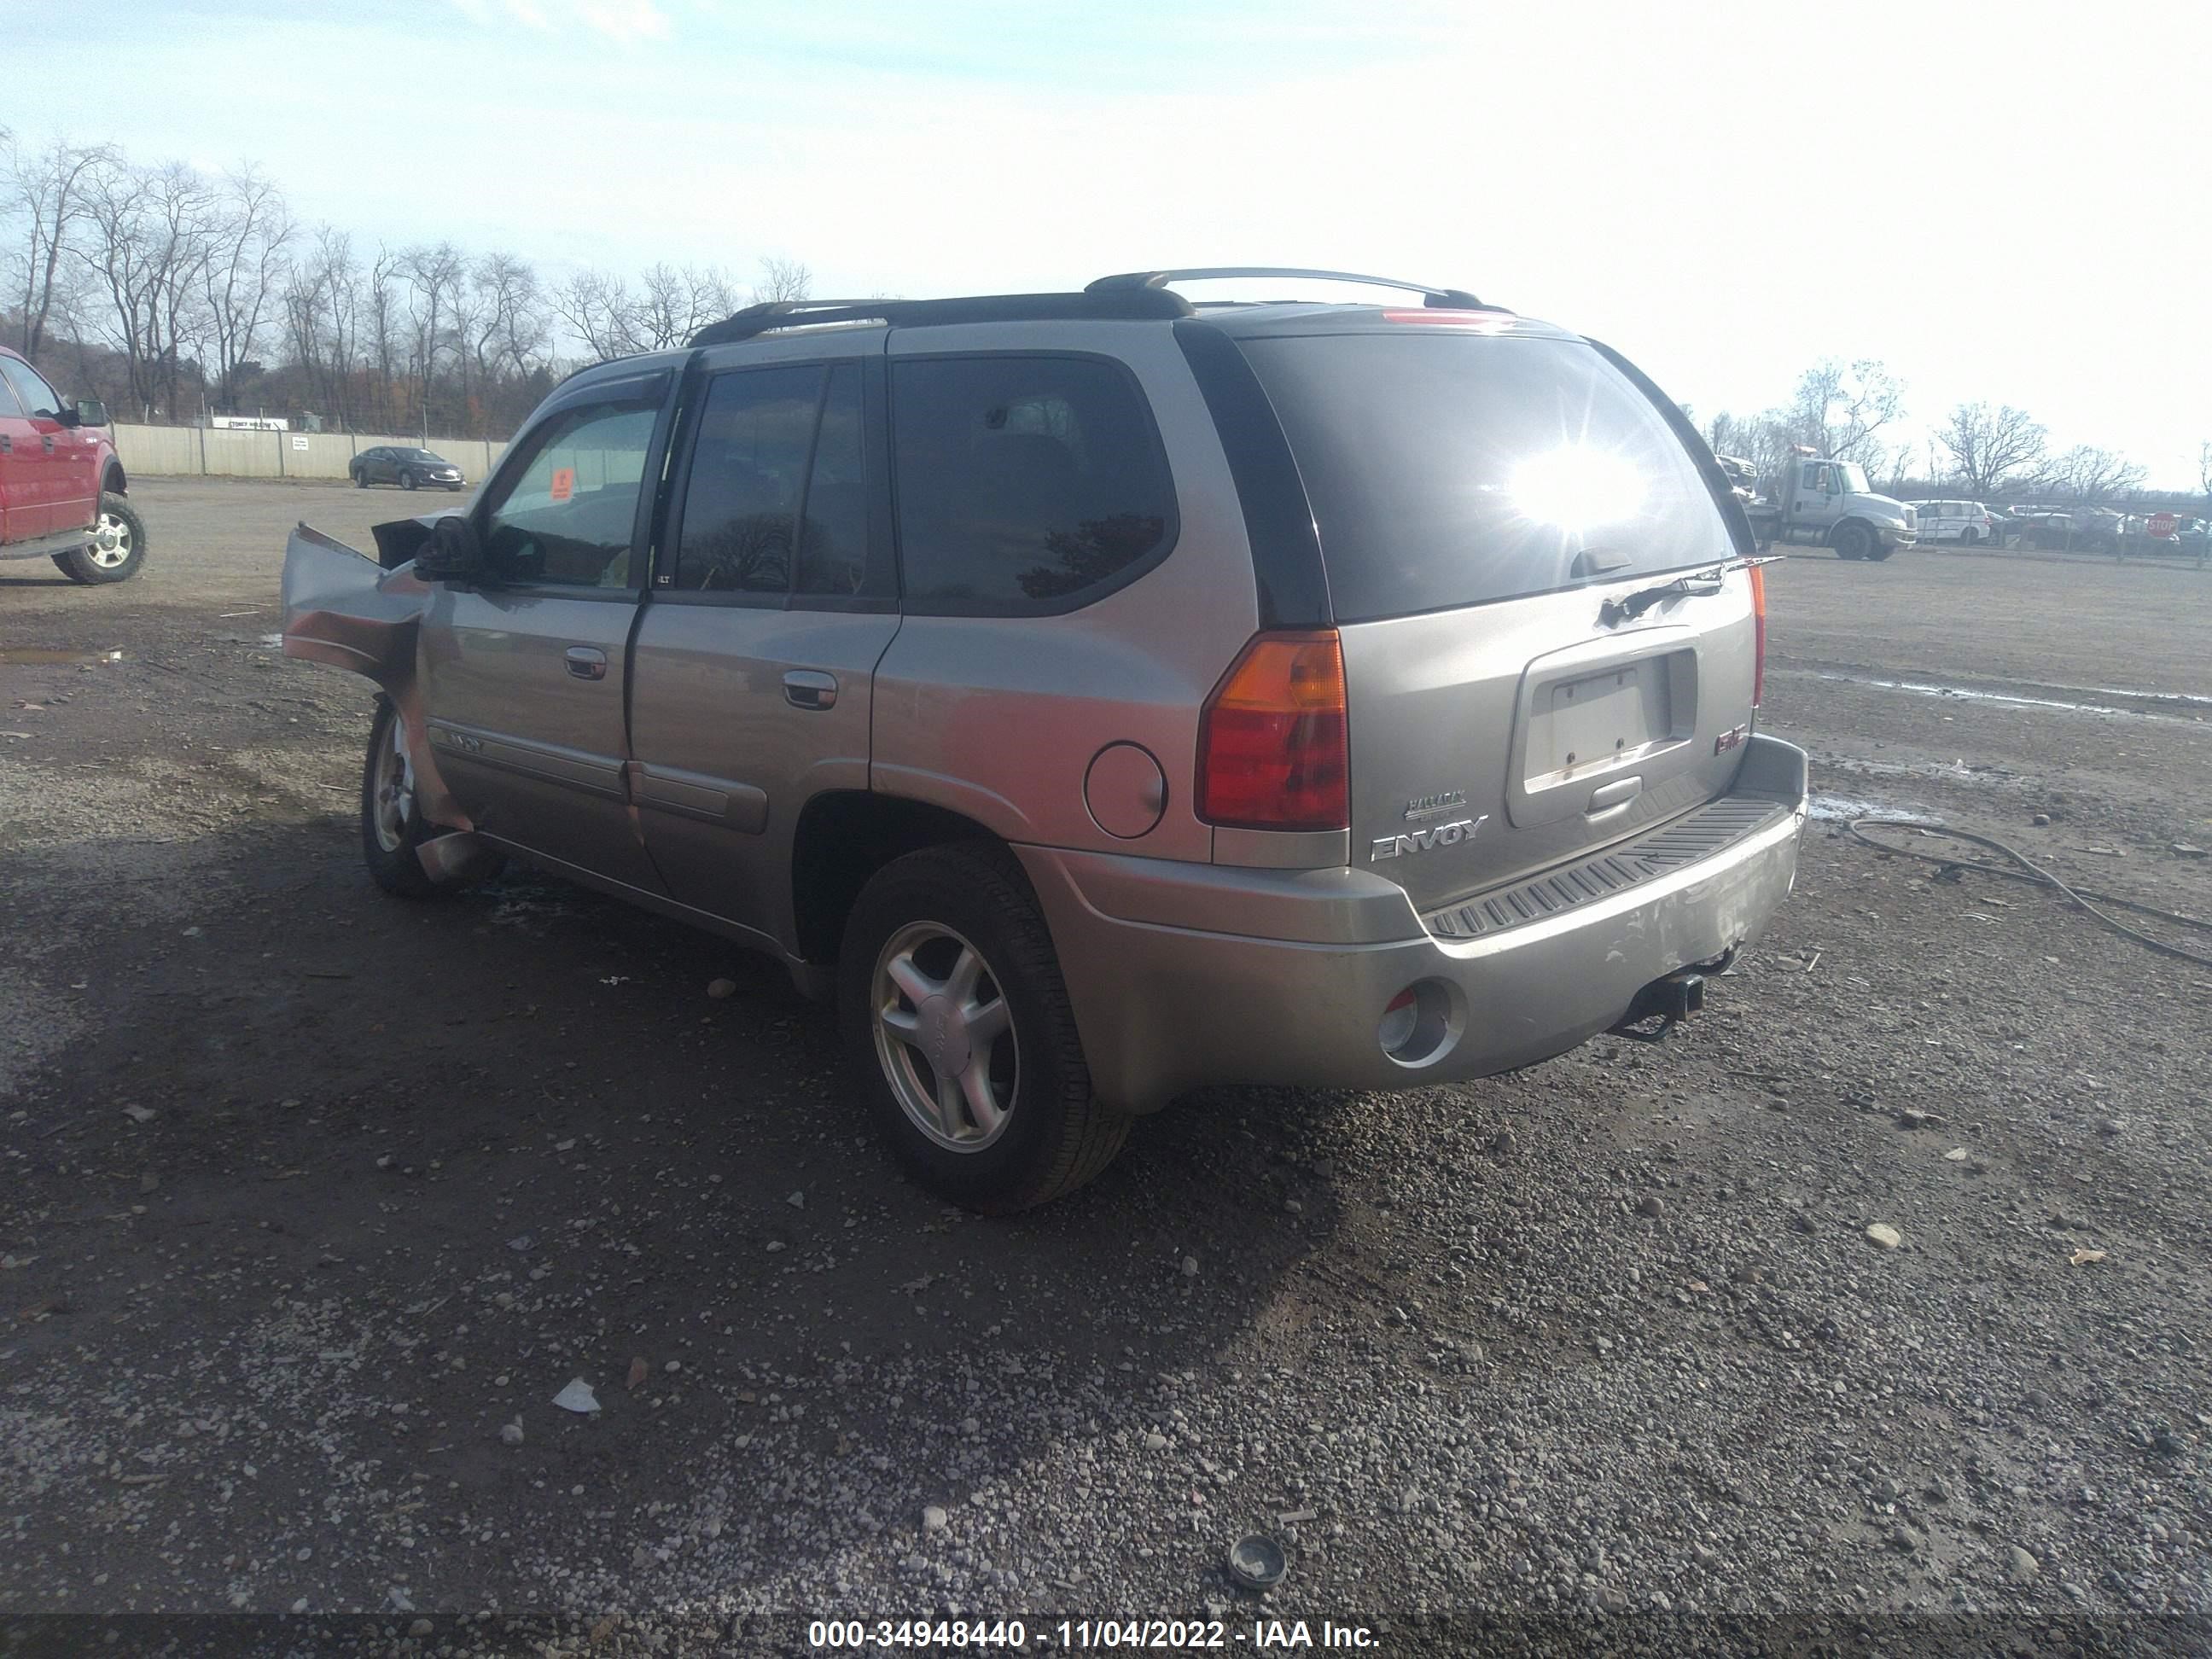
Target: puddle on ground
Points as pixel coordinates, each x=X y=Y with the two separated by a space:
x=1826 y=808
x=45 y=654
x=1967 y=694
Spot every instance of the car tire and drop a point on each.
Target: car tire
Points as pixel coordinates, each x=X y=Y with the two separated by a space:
x=407 y=481
x=1968 y=537
x=1854 y=541
x=962 y=919
x=360 y=477
x=391 y=823
x=117 y=551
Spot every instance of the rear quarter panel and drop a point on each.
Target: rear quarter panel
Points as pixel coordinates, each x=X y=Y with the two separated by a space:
x=998 y=717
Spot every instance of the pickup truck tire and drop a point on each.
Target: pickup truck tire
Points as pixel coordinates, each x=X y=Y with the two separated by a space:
x=117 y=551
x=946 y=960
x=1854 y=541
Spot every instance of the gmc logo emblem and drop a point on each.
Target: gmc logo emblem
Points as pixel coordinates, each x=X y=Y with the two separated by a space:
x=1735 y=738
x=1421 y=841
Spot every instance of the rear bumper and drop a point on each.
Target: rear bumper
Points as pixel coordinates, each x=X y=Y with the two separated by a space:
x=1285 y=975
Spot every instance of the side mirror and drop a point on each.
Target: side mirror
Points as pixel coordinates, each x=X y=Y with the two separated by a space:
x=451 y=552
x=87 y=411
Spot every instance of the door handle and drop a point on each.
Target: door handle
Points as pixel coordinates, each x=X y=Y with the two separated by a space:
x=586 y=663
x=808 y=688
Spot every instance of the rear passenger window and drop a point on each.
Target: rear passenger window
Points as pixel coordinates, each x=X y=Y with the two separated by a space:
x=1025 y=484
x=741 y=507
x=833 y=540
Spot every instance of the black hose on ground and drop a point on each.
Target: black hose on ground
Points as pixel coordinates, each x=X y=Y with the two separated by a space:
x=2036 y=876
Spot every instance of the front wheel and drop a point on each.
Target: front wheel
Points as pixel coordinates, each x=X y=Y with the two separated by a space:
x=118 y=547
x=961 y=1036
x=360 y=478
x=1854 y=541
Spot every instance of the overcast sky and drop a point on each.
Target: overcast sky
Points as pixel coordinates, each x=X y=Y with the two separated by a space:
x=2005 y=203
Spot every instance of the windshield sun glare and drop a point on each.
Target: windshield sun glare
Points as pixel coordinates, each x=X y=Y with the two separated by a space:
x=1578 y=488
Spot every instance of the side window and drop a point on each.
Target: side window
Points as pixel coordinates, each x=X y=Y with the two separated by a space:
x=748 y=466
x=1816 y=480
x=833 y=543
x=39 y=400
x=1024 y=484
x=567 y=518
x=8 y=404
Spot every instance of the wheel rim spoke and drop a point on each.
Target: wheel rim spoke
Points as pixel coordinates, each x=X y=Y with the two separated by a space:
x=951 y=1057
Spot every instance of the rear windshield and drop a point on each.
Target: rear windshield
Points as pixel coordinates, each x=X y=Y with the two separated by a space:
x=1453 y=469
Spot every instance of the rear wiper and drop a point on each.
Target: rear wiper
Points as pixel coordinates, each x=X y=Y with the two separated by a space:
x=1630 y=606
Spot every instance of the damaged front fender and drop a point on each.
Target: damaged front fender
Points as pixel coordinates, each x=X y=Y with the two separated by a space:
x=346 y=610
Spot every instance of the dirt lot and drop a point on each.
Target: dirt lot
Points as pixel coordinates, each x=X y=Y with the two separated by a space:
x=311 y=1195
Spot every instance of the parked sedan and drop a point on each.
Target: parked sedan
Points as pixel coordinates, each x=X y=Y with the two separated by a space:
x=410 y=469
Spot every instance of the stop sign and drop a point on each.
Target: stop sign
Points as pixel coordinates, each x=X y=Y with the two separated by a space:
x=2161 y=525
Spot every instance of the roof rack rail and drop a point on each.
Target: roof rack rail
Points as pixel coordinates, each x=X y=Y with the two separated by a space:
x=1453 y=299
x=1133 y=304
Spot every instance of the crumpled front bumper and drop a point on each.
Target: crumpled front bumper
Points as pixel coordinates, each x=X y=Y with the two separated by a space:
x=1184 y=974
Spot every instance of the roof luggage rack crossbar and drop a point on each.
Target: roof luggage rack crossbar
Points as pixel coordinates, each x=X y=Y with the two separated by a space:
x=1453 y=299
x=1132 y=304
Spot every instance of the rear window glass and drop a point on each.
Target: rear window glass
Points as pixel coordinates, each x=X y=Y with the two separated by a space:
x=1454 y=469
x=1025 y=484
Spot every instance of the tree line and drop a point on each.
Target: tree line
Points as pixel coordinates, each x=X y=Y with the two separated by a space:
x=173 y=295
x=1851 y=411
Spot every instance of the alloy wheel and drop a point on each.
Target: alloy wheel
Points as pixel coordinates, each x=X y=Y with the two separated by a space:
x=944 y=1035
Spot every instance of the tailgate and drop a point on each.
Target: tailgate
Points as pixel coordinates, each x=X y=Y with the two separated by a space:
x=1491 y=744
x=1549 y=645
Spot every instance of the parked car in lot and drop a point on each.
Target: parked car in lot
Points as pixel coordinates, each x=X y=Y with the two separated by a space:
x=1964 y=522
x=410 y=469
x=1102 y=697
x=63 y=493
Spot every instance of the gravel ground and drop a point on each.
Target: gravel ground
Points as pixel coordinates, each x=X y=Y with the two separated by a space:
x=1876 y=1301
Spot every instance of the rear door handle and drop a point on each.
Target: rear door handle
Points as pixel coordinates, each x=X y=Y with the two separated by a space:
x=586 y=663
x=809 y=688
x=47 y=438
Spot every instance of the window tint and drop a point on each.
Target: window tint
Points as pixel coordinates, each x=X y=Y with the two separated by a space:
x=833 y=544
x=39 y=399
x=1023 y=482
x=1448 y=470
x=567 y=519
x=747 y=468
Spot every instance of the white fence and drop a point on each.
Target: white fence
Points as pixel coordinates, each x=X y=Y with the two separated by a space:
x=188 y=451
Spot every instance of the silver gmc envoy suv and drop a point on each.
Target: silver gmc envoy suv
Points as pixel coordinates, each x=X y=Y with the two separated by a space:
x=1102 y=694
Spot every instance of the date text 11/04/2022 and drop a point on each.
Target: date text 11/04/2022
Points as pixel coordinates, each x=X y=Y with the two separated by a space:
x=1171 y=1634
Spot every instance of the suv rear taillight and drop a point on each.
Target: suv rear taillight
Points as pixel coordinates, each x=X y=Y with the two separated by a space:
x=1271 y=740
x=1758 y=633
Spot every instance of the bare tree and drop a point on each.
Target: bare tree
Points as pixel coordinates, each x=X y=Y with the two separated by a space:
x=2092 y=477
x=596 y=309
x=511 y=331
x=1762 y=440
x=783 y=280
x=150 y=238
x=48 y=191
x=384 y=324
x=433 y=274
x=1990 y=445
x=251 y=234
x=1838 y=408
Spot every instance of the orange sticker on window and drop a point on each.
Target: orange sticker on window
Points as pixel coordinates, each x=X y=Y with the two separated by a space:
x=564 y=483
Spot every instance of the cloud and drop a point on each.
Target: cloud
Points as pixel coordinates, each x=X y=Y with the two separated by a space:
x=621 y=21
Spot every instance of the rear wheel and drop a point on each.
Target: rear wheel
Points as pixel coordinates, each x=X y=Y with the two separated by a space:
x=118 y=547
x=407 y=481
x=1854 y=541
x=1968 y=537
x=962 y=1037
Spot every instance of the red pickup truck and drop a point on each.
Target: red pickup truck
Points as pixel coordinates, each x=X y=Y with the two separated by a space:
x=61 y=484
